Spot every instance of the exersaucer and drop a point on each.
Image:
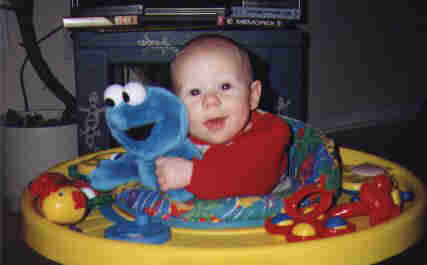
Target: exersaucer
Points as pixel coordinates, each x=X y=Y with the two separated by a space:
x=85 y=244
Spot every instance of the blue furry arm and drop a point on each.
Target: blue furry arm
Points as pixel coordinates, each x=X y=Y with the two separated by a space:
x=112 y=173
x=186 y=150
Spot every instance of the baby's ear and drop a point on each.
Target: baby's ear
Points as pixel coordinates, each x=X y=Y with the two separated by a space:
x=255 y=94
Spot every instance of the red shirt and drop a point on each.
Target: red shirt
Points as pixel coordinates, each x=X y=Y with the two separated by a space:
x=250 y=164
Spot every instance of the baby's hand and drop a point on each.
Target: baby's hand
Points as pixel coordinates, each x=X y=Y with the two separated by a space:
x=173 y=172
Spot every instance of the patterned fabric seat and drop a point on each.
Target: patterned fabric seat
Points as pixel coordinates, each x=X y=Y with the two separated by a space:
x=312 y=157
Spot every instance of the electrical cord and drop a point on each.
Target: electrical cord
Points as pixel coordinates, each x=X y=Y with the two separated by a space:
x=24 y=14
x=26 y=59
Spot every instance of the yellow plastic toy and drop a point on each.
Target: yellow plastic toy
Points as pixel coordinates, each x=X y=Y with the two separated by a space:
x=60 y=207
x=368 y=244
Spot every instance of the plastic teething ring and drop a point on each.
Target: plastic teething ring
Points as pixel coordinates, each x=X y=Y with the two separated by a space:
x=292 y=202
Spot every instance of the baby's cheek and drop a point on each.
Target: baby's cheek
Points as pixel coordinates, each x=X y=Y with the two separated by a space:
x=192 y=104
x=194 y=115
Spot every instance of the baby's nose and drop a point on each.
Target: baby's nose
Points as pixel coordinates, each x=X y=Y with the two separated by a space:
x=211 y=99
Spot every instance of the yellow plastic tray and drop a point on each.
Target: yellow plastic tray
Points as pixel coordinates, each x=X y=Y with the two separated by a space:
x=238 y=246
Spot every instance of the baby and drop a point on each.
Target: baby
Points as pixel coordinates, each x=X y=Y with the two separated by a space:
x=244 y=149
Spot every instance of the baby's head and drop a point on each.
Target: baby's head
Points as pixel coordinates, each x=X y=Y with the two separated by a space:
x=213 y=76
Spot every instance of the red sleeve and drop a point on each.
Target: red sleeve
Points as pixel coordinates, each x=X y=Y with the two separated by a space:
x=251 y=165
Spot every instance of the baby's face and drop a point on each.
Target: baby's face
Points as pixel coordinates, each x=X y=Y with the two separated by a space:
x=217 y=90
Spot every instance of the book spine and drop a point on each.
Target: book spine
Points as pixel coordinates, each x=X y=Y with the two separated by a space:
x=84 y=22
x=255 y=22
x=272 y=3
x=103 y=11
x=266 y=13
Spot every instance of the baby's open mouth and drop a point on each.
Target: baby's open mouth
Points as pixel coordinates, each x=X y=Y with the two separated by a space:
x=216 y=123
x=140 y=133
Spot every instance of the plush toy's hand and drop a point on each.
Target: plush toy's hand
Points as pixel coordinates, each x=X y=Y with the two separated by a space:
x=173 y=172
x=112 y=173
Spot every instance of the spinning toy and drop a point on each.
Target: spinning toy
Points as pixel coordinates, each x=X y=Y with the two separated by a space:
x=378 y=198
x=61 y=200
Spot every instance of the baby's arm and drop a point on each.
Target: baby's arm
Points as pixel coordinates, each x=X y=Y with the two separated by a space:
x=173 y=172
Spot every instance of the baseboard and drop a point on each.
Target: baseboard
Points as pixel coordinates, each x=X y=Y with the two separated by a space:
x=369 y=117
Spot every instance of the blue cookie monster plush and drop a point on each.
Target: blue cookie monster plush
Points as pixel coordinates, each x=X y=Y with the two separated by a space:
x=148 y=122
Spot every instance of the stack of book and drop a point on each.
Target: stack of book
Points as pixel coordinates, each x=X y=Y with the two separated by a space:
x=266 y=13
x=104 y=16
x=149 y=13
x=252 y=13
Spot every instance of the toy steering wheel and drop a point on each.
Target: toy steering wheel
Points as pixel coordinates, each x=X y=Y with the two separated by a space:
x=292 y=203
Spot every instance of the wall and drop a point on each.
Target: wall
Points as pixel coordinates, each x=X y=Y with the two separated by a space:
x=363 y=62
x=3 y=49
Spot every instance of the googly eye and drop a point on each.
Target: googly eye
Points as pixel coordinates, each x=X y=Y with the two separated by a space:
x=116 y=156
x=134 y=93
x=113 y=95
x=90 y=194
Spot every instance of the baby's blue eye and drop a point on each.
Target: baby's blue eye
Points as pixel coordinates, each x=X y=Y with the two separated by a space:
x=195 y=92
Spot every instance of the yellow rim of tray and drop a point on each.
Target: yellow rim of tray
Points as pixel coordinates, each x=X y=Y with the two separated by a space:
x=233 y=246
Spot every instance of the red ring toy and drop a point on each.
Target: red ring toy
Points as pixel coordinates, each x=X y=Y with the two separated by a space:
x=292 y=202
